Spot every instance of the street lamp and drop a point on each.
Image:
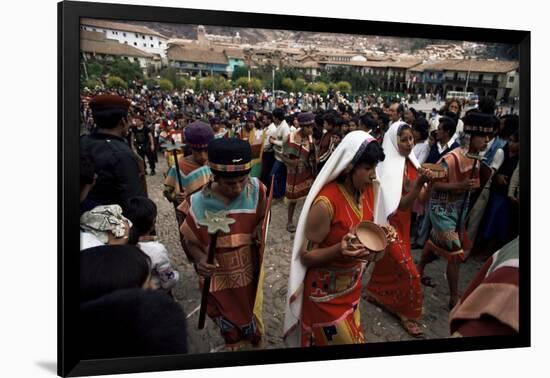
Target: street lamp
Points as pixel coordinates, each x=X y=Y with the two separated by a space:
x=468 y=75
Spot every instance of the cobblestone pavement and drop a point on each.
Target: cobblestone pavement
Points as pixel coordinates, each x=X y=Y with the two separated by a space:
x=379 y=326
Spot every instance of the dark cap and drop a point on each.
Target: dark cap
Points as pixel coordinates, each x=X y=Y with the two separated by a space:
x=250 y=116
x=229 y=157
x=108 y=101
x=198 y=134
x=478 y=123
x=306 y=119
x=108 y=110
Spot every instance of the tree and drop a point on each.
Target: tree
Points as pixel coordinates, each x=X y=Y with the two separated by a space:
x=182 y=84
x=254 y=84
x=169 y=73
x=94 y=69
x=92 y=84
x=215 y=84
x=344 y=86
x=287 y=84
x=124 y=69
x=221 y=84
x=166 y=85
x=242 y=82
x=317 y=88
x=116 y=82
x=151 y=83
x=332 y=87
x=238 y=72
x=208 y=83
x=299 y=84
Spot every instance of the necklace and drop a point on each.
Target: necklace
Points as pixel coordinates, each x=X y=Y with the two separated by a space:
x=357 y=199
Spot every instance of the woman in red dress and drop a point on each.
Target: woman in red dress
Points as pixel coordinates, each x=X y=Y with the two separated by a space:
x=326 y=271
x=395 y=282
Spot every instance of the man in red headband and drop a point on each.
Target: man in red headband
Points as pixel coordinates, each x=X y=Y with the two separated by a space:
x=116 y=165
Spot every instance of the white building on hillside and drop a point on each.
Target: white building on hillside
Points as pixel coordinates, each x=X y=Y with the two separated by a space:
x=94 y=45
x=136 y=36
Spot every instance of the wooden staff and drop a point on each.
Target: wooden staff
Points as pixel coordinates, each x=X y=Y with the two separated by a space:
x=467 y=194
x=177 y=168
x=214 y=222
x=175 y=147
x=314 y=165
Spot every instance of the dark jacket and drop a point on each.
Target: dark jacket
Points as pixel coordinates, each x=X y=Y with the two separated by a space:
x=434 y=155
x=116 y=167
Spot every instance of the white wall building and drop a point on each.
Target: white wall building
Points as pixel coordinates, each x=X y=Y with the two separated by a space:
x=136 y=36
x=94 y=45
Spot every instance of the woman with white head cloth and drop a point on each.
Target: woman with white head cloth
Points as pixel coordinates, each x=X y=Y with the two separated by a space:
x=324 y=287
x=395 y=283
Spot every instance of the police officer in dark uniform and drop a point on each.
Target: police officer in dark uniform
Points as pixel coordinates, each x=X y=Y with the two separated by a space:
x=118 y=176
x=142 y=140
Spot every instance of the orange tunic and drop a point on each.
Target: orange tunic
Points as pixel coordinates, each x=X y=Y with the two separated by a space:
x=233 y=289
x=332 y=293
x=395 y=282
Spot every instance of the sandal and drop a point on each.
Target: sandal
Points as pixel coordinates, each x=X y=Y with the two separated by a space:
x=290 y=227
x=427 y=281
x=412 y=328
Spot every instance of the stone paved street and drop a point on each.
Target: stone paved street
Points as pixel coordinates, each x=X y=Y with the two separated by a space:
x=379 y=326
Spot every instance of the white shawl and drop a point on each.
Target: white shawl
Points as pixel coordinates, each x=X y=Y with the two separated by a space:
x=335 y=165
x=390 y=175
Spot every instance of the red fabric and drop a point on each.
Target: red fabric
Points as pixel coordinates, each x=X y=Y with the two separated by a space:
x=485 y=325
x=235 y=304
x=459 y=166
x=395 y=282
x=320 y=318
x=176 y=135
x=325 y=142
x=299 y=179
x=344 y=217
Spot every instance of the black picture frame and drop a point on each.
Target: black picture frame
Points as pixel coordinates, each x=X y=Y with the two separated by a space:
x=69 y=14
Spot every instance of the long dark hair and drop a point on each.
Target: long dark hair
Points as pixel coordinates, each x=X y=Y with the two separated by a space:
x=142 y=212
x=371 y=155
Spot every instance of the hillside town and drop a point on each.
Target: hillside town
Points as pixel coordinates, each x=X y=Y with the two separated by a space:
x=435 y=69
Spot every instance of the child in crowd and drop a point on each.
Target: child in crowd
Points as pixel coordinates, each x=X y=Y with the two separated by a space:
x=142 y=212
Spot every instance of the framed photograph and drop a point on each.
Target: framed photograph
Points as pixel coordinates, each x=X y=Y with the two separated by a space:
x=261 y=189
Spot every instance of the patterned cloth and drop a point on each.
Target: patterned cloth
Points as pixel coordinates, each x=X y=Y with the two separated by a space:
x=103 y=220
x=395 y=282
x=233 y=302
x=192 y=176
x=332 y=292
x=490 y=305
x=256 y=139
x=445 y=208
x=299 y=178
